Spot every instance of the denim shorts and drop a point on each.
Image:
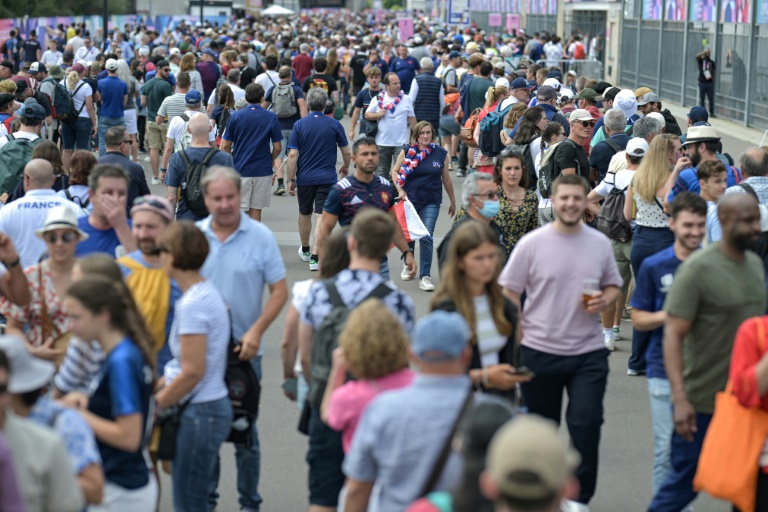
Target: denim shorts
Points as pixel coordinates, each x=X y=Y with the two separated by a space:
x=77 y=135
x=325 y=457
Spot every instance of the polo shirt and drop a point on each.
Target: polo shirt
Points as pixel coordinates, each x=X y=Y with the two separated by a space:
x=173 y=106
x=654 y=280
x=406 y=71
x=112 y=90
x=689 y=180
x=156 y=90
x=99 y=240
x=393 y=127
x=402 y=433
x=760 y=185
x=241 y=267
x=316 y=138
x=251 y=130
x=177 y=172
x=21 y=218
x=137 y=180
x=350 y=194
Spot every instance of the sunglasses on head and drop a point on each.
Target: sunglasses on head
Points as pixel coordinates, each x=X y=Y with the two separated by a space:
x=66 y=238
x=151 y=202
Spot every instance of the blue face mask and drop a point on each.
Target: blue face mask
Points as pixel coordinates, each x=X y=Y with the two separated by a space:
x=490 y=209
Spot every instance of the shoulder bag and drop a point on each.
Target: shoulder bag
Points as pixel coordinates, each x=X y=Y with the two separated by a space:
x=61 y=341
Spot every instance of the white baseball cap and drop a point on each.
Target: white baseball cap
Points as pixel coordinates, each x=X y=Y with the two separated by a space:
x=637 y=146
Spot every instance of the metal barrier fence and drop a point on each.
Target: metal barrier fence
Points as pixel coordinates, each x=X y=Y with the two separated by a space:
x=585 y=67
x=661 y=55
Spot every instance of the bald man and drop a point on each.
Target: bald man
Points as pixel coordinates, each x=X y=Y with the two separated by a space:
x=199 y=128
x=713 y=292
x=21 y=218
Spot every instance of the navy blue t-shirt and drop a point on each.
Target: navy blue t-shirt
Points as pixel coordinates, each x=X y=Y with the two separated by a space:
x=286 y=123
x=112 y=90
x=653 y=282
x=537 y=51
x=425 y=184
x=350 y=194
x=600 y=155
x=316 y=137
x=406 y=70
x=177 y=171
x=99 y=240
x=123 y=388
x=251 y=130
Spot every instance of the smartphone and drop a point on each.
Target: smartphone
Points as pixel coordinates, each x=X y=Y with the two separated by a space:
x=291 y=386
x=523 y=371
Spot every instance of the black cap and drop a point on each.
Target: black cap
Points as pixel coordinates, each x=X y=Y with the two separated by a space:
x=7 y=64
x=5 y=99
x=601 y=87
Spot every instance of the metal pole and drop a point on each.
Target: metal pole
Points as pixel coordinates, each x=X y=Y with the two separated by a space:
x=202 y=4
x=685 y=63
x=751 y=62
x=105 y=24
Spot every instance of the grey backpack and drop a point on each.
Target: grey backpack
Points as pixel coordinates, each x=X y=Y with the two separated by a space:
x=284 y=101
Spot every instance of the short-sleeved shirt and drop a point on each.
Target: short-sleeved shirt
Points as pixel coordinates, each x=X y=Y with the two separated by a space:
x=716 y=294
x=177 y=172
x=75 y=434
x=689 y=180
x=406 y=71
x=476 y=92
x=567 y=155
x=251 y=130
x=425 y=184
x=83 y=91
x=600 y=155
x=316 y=138
x=393 y=127
x=31 y=46
x=178 y=126
x=156 y=90
x=112 y=91
x=323 y=81
x=99 y=240
x=653 y=282
x=536 y=267
x=201 y=310
x=287 y=123
x=241 y=268
x=350 y=194
x=123 y=388
x=173 y=106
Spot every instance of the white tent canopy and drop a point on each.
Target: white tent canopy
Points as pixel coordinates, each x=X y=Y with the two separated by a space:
x=276 y=10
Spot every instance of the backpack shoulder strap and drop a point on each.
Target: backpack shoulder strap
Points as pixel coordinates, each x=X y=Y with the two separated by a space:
x=184 y=117
x=209 y=156
x=184 y=157
x=9 y=137
x=749 y=190
x=616 y=148
x=381 y=291
x=68 y=194
x=333 y=293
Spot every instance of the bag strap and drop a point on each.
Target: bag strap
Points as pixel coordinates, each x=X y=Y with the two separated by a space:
x=437 y=469
x=749 y=190
x=661 y=207
x=47 y=326
x=185 y=158
x=616 y=148
x=209 y=156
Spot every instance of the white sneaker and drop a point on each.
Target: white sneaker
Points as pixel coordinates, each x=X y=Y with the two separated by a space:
x=610 y=342
x=616 y=334
x=405 y=275
x=314 y=265
x=305 y=256
x=426 y=284
x=155 y=181
x=572 y=506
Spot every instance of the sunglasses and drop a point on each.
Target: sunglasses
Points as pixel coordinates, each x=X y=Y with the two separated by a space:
x=591 y=124
x=66 y=238
x=128 y=141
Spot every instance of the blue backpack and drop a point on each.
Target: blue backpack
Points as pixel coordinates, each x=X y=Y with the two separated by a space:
x=490 y=131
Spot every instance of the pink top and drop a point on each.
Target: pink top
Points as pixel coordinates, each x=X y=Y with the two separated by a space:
x=349 y=401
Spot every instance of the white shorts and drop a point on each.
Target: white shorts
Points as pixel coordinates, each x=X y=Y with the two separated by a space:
x=255 y=193
x=130 y=121
x=120 y=499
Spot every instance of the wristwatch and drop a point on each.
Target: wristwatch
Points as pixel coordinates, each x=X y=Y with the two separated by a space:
x=9 y=265
x=405 y=253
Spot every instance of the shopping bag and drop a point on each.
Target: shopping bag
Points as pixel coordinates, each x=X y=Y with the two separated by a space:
x=410 y=222
x=729 y=459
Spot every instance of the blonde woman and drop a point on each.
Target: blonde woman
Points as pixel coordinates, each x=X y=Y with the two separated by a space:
x=373 y=348
x=188 y=65
x=648 y=188
x=496 y=94
x=129 y=108
x=78 y=135
x=514 y=114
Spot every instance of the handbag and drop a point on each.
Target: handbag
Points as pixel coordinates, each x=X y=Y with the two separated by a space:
x=729 y=460
x=61 y=341
x=338 y=114
x=167 y=424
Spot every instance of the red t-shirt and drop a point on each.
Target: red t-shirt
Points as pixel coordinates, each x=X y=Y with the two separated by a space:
x=302 y=65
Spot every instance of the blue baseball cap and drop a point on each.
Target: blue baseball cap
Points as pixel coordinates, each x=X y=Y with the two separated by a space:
x=555 y=74
x=520 y=83
x=440 y=336
x=698 y=114
x=208 y=51
x=193 y=97
x=454 y=54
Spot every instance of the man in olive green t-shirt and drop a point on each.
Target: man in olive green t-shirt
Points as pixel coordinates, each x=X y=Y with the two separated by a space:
x=714 y=291
x=152 y=95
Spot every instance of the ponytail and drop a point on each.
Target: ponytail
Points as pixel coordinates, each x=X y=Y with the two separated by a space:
x=72 y=78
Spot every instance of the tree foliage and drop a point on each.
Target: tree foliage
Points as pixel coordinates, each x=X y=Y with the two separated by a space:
x=48 y=8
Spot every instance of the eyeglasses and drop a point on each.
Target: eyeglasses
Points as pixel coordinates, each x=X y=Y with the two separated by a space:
x=66 y=238
x=154 y=203
x=128 y=141
x=489 y=195
x=591 y=124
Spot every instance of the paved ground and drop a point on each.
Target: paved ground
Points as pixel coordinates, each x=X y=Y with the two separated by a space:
x=627 y=442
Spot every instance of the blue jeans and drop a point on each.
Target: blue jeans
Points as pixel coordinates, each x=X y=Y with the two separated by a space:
x=248 y=461
x=645 y=242
x=78 y=135
x=203 y=429
x=663 y=426
x=677 y=490
x=105 y=123
x=384 y=268
x=428 y=214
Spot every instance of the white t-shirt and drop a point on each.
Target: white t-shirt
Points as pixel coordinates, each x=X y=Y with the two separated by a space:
x=393 y=127
x=236 y=91
x=176 y=128
x=87 y=54
x=19 y=135
x=21 y=218
x=79 y=97
x=50 y=58
x=267 y=80
x=620 y=180
x=201 y=310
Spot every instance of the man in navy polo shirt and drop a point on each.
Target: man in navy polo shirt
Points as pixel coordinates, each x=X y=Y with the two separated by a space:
x=312 y=162
x=363 y=189
x=114 y=95
x=653 y=281
x=405 y=66
x=250 y=131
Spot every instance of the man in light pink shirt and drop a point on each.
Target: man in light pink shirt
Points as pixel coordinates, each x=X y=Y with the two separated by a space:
x=569 y=275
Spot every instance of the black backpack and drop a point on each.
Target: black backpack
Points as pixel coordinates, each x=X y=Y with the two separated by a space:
x=76 y=199
x=547 y=174
x=244 y=394
x=611 y=221
x=226 y=113
x=326 y=337
x=194 y=173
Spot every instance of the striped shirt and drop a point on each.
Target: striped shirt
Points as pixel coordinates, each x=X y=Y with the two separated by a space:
x=174 y=106
x=489 y=340
x=80 y=367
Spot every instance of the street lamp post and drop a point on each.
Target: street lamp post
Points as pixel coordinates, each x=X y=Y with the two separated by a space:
x=105 y=24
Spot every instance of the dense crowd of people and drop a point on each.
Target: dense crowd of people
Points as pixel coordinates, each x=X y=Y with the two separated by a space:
x=134 y=321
